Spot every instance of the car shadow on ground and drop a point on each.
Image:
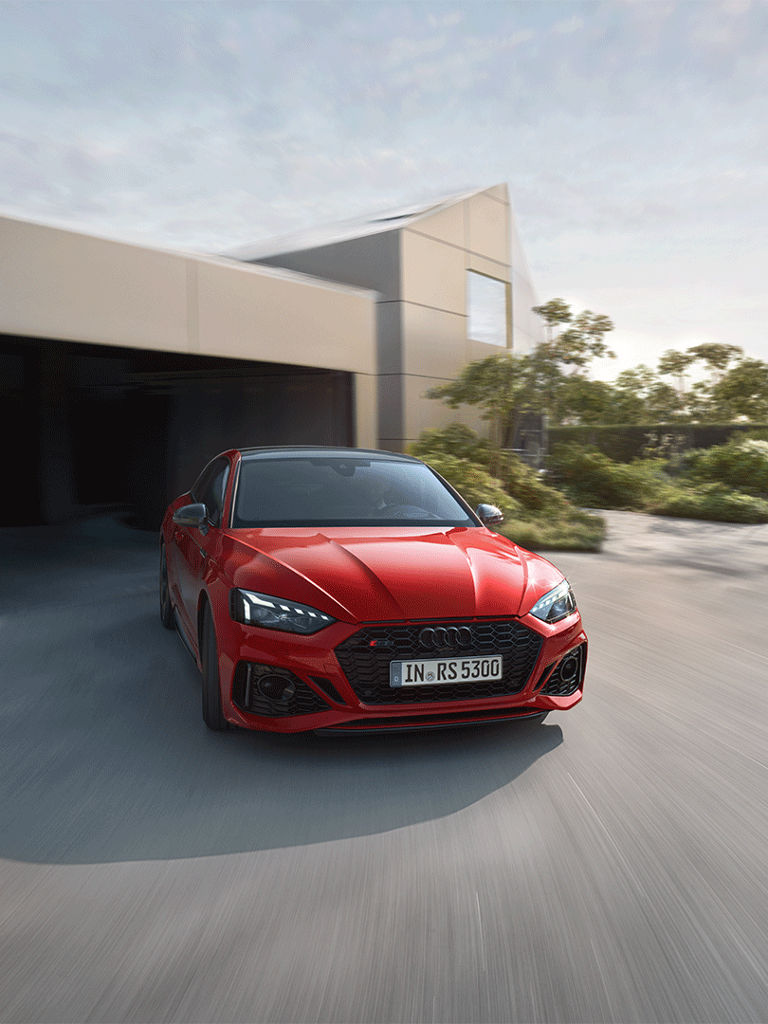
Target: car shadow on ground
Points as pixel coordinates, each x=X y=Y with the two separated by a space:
x=104 y=756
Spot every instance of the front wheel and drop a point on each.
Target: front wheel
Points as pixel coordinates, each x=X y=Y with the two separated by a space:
x=212 y=713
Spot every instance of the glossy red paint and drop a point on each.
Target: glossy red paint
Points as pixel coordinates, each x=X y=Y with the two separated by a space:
x=359 y=576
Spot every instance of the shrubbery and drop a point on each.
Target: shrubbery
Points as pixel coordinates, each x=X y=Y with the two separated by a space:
x=590 y=478
x=565 y=533
x=726 y=483
x=625 y=442
x=742 y=465
x=535 y=515
x=473 y=482
x=517 y=479
x=714 y=502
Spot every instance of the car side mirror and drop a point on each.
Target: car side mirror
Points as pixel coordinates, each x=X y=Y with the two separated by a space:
x=192 y=515
x=489 y=515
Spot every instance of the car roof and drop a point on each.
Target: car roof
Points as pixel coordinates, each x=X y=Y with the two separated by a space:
x=308 y=451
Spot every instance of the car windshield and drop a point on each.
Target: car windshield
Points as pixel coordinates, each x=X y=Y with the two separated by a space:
x=343 y=491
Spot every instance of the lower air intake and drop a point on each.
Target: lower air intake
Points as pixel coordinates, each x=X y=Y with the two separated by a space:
x=568 y=675
x=273 y=692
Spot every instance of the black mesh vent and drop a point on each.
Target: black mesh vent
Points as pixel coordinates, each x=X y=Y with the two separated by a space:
x=328 y=689
x=247 y=697
x=365 y=657
x=543 y=677
x=568 y=675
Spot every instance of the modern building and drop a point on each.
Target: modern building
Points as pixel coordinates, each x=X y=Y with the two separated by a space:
x=124 y=368
x=452 y=283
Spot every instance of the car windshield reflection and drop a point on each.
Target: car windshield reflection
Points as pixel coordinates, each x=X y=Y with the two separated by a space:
x=343 y=491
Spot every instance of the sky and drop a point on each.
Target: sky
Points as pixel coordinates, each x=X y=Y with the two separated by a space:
x=633 y=136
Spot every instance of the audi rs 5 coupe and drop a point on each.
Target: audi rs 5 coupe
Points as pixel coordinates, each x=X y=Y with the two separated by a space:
x=339 y=589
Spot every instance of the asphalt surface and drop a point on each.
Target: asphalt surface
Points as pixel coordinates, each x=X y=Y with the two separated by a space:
x=608 y=865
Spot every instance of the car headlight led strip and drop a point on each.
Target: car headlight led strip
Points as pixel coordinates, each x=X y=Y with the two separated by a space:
x=254 y=609
x=556 y=605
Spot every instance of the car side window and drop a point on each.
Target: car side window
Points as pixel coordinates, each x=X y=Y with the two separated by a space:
x=210 y=488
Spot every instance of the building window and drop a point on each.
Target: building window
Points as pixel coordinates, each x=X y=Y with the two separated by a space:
x=487 y=311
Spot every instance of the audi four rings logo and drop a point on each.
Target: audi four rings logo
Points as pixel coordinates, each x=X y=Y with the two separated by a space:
x=446 y=636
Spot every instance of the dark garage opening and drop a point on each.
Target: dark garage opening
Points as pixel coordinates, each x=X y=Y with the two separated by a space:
x=95 y=429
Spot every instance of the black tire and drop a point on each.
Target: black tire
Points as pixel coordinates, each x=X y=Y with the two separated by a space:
x=212 y=713
x=166 y=607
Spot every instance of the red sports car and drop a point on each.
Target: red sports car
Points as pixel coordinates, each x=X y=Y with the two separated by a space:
x=345 y=589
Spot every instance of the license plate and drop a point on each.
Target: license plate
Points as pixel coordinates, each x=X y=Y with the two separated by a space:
x=444 y=670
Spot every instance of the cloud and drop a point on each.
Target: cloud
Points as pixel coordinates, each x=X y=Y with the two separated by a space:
x=632 y=134
x=736 y=7
x=568 y=25
x=515 y=39
x=403 y=50
x=448 y=20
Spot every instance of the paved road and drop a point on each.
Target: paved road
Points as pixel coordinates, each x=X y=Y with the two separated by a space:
x=609 y=865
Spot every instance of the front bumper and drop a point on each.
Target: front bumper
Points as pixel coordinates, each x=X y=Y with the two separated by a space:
x=337 y=679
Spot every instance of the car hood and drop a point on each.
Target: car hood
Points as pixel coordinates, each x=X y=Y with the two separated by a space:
x=370 y=575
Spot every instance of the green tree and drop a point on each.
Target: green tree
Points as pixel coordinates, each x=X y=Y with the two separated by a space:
x=734 y=387
x=553 y=379
x=577 y=344
x=500 y=386
x=581 y=400
x=715 y=355
x=674 y=363
x=742 y=391
x=697 y=402
x=554 y=313
x=629 y=393
x=506 y=386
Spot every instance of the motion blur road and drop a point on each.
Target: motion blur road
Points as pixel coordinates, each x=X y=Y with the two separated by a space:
x=608 y=865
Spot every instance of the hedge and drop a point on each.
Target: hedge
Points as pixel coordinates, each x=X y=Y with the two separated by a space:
x=712 y=502
x=623 y=443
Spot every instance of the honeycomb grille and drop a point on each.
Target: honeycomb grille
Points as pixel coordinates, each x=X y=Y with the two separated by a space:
x=567 y=676
x=365 y=656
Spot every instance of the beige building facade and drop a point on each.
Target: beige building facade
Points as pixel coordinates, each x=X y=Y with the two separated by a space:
x=124 y=368
x=453 y=286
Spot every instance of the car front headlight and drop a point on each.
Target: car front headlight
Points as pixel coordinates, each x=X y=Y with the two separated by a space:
x=254 y=609
x=556 y=605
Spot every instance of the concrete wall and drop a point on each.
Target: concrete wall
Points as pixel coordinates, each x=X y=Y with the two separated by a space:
x=527 y=327
x=370 y=262
x=437 y=251
x=419 y=268
x=64 y=285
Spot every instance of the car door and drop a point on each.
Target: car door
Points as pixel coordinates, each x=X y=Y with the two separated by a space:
x=192 y=543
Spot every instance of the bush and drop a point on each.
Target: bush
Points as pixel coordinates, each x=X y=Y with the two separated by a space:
x=535 y=515
x=576 y=533
x=625 y=442
x=460 y=441
x=518 y=480
x=712 y=501
x=741 y=465
x=722 y=484
x=590 y=478
x=474 y=483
